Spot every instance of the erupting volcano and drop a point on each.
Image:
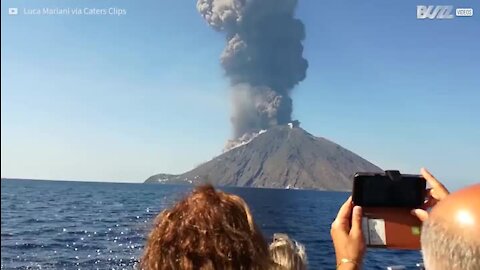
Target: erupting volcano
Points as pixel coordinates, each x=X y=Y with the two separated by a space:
x=263 y=61
x=262 y=58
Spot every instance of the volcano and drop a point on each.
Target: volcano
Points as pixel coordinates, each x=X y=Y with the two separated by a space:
x=284 y=156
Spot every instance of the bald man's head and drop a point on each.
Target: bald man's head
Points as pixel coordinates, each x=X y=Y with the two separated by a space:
x=451 y=235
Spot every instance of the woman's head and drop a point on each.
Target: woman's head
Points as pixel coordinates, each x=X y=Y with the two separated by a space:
x=287 y=253
x=206 y=230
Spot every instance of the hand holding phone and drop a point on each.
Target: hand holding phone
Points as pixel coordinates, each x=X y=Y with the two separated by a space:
x=347 y=237
x=386 y=227
x=387 y=200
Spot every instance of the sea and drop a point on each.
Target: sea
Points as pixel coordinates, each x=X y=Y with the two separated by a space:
x=85 y=225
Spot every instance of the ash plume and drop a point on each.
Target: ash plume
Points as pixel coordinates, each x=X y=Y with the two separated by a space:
x=262 y=58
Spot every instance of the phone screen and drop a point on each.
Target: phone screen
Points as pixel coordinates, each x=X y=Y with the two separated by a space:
x=381 y=191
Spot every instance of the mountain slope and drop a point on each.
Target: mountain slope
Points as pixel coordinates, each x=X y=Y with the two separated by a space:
x=281 y=157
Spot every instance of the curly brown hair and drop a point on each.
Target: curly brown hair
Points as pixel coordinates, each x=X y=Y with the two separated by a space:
x=207 y=230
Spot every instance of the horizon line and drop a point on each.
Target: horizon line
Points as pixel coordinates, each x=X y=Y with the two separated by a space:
x=71 y=180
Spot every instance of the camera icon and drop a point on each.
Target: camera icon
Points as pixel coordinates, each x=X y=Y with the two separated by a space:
x=12 y=11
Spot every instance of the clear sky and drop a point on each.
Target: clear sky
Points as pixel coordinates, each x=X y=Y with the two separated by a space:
x=119 y=98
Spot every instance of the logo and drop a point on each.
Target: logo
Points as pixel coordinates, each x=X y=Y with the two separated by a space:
x=435 y=12
x=12 y=11
x=464 y=12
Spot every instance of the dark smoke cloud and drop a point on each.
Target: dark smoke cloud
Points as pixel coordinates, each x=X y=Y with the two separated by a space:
x=263 y=58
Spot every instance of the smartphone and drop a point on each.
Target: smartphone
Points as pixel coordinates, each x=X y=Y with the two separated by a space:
x=389 y=189
x=386 y=199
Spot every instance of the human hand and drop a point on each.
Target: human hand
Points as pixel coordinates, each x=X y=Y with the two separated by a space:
x=347 y=236
x=434 y=194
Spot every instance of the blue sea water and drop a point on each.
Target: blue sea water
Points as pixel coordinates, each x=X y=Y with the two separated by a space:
x=79 y=225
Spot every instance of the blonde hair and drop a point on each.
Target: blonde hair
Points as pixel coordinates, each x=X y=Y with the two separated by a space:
x=287 y=253
x=206 y=230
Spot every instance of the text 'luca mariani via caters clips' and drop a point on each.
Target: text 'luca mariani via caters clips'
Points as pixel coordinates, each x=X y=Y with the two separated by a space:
x=52 y=11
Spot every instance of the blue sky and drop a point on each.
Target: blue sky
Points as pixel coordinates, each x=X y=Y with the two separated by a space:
x=119 y=98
